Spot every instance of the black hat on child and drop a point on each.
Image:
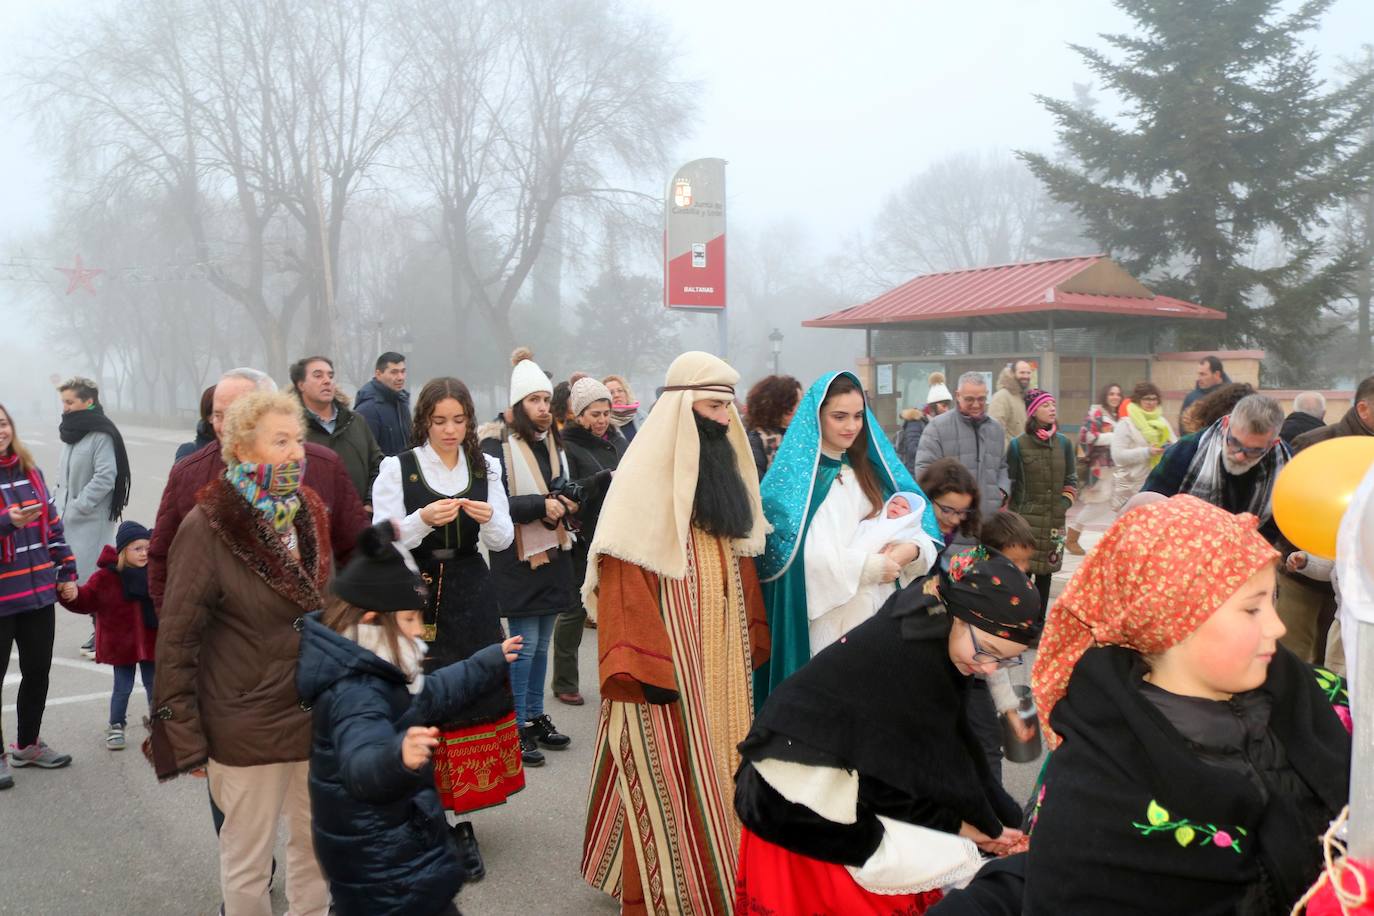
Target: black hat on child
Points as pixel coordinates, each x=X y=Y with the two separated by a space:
x=377 y=578
x=129 y=532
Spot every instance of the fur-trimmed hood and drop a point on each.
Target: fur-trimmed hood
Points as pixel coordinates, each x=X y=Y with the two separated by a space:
x=496 y=429
x=1007 y=381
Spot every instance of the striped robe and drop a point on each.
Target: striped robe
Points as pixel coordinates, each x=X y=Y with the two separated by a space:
x=661 y=828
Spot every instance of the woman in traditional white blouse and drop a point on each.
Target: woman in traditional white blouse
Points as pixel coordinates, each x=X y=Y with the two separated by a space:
x=446 y=498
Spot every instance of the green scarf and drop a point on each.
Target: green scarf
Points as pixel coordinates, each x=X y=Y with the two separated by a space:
x=1152 y=426
x=272 y=489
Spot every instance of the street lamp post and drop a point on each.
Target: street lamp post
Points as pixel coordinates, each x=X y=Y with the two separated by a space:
x=775 y=340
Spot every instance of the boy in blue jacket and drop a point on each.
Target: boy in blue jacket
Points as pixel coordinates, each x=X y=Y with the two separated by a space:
x=380 y=833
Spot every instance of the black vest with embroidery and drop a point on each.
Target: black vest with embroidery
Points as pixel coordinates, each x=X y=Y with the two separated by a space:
x=457 y=539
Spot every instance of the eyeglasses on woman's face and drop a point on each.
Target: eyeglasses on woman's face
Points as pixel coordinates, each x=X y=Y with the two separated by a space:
x=951 y=512
x=984 y=657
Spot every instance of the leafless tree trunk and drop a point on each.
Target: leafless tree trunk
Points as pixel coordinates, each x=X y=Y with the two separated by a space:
x=523 y=108
x=272 y=112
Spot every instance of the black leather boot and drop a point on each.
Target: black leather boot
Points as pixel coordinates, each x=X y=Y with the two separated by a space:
x=549 y=737
x=530 y=754
x=468 y=852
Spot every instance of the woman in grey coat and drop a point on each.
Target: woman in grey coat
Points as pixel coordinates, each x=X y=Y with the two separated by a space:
x=92 y=485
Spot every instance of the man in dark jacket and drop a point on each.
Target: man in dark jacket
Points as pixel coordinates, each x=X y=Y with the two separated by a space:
x=385 y=404
x=324 y=473
x=330 y=423
x=1309 y=413
x=1232 y=464
x=1210 y=376
x=1358 y=420
x=1306 y=604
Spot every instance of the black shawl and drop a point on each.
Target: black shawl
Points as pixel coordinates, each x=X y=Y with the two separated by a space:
x=1135 y=818
x=886 y=701
x=76 y=425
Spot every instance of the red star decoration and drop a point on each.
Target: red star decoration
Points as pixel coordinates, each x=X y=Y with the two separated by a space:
x=79 y=277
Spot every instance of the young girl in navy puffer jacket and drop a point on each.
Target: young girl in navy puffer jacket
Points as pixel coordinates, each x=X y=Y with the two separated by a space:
x=379 y=830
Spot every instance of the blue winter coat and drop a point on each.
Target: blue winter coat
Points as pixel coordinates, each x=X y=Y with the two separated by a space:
x=379 y=830
x=387 y=413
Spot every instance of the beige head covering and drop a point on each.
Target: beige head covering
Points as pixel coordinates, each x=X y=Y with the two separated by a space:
x=586 y=391
x=647 y=514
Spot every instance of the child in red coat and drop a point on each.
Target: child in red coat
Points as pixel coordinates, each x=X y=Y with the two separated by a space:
x=125 y=623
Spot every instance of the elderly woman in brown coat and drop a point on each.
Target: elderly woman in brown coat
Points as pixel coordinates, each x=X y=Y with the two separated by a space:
x=249 y=561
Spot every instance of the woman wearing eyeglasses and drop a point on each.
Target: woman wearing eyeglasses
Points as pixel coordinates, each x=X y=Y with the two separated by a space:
x=1139 y=443
x=862 y=791
x=954 y=496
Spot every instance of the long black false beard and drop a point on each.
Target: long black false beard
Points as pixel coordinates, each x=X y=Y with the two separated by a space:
x=721 y=506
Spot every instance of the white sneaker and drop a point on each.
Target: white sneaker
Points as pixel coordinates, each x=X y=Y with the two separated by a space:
x=114 y=738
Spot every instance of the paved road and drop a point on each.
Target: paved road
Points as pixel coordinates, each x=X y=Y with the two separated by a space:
x=102 y=836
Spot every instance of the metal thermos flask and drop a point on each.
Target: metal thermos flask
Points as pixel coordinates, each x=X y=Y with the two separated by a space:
x=1015 y=749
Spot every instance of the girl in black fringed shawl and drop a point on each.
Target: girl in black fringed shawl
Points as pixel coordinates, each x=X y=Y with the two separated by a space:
x=862 y=789
x=1196 y=761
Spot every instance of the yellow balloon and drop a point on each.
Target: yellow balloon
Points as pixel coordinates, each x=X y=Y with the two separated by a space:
x=1315 y=488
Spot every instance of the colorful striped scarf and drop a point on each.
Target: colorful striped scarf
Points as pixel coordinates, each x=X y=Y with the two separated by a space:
x=272 y=489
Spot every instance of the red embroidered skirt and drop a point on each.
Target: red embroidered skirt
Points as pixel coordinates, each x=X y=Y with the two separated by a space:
x=479 y=766
x=772 y=880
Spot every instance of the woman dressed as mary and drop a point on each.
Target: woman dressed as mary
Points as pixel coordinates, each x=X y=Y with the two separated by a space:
x=849 y=525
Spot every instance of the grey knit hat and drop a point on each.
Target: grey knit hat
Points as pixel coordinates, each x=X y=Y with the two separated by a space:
x=587 y=392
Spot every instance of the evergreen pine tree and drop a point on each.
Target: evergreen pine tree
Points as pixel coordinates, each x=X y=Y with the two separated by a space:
x=1226 y=132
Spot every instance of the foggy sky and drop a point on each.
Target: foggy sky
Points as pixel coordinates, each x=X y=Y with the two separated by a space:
x=821 y=109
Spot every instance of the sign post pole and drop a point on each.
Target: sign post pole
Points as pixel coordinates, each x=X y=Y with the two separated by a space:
x=694 y=243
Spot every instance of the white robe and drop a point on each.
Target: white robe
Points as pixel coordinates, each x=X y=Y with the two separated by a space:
x=843 y=570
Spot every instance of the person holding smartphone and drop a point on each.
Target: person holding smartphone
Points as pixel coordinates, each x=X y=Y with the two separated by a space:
x=34 y=558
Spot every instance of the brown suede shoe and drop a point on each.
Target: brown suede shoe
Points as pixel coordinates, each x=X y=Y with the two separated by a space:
x=572 y=699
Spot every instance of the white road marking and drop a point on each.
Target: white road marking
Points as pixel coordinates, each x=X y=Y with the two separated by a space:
x=79 y=664
x=67 y=701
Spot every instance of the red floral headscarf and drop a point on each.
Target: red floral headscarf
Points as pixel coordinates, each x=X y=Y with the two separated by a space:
x=1154 y=578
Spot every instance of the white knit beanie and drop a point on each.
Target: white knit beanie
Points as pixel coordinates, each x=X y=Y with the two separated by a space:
x=938 y=391
x=526 y=378
x=586 y=392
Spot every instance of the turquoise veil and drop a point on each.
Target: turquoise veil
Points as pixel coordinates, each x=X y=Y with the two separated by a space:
x=794 y=487
x=788 y=485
